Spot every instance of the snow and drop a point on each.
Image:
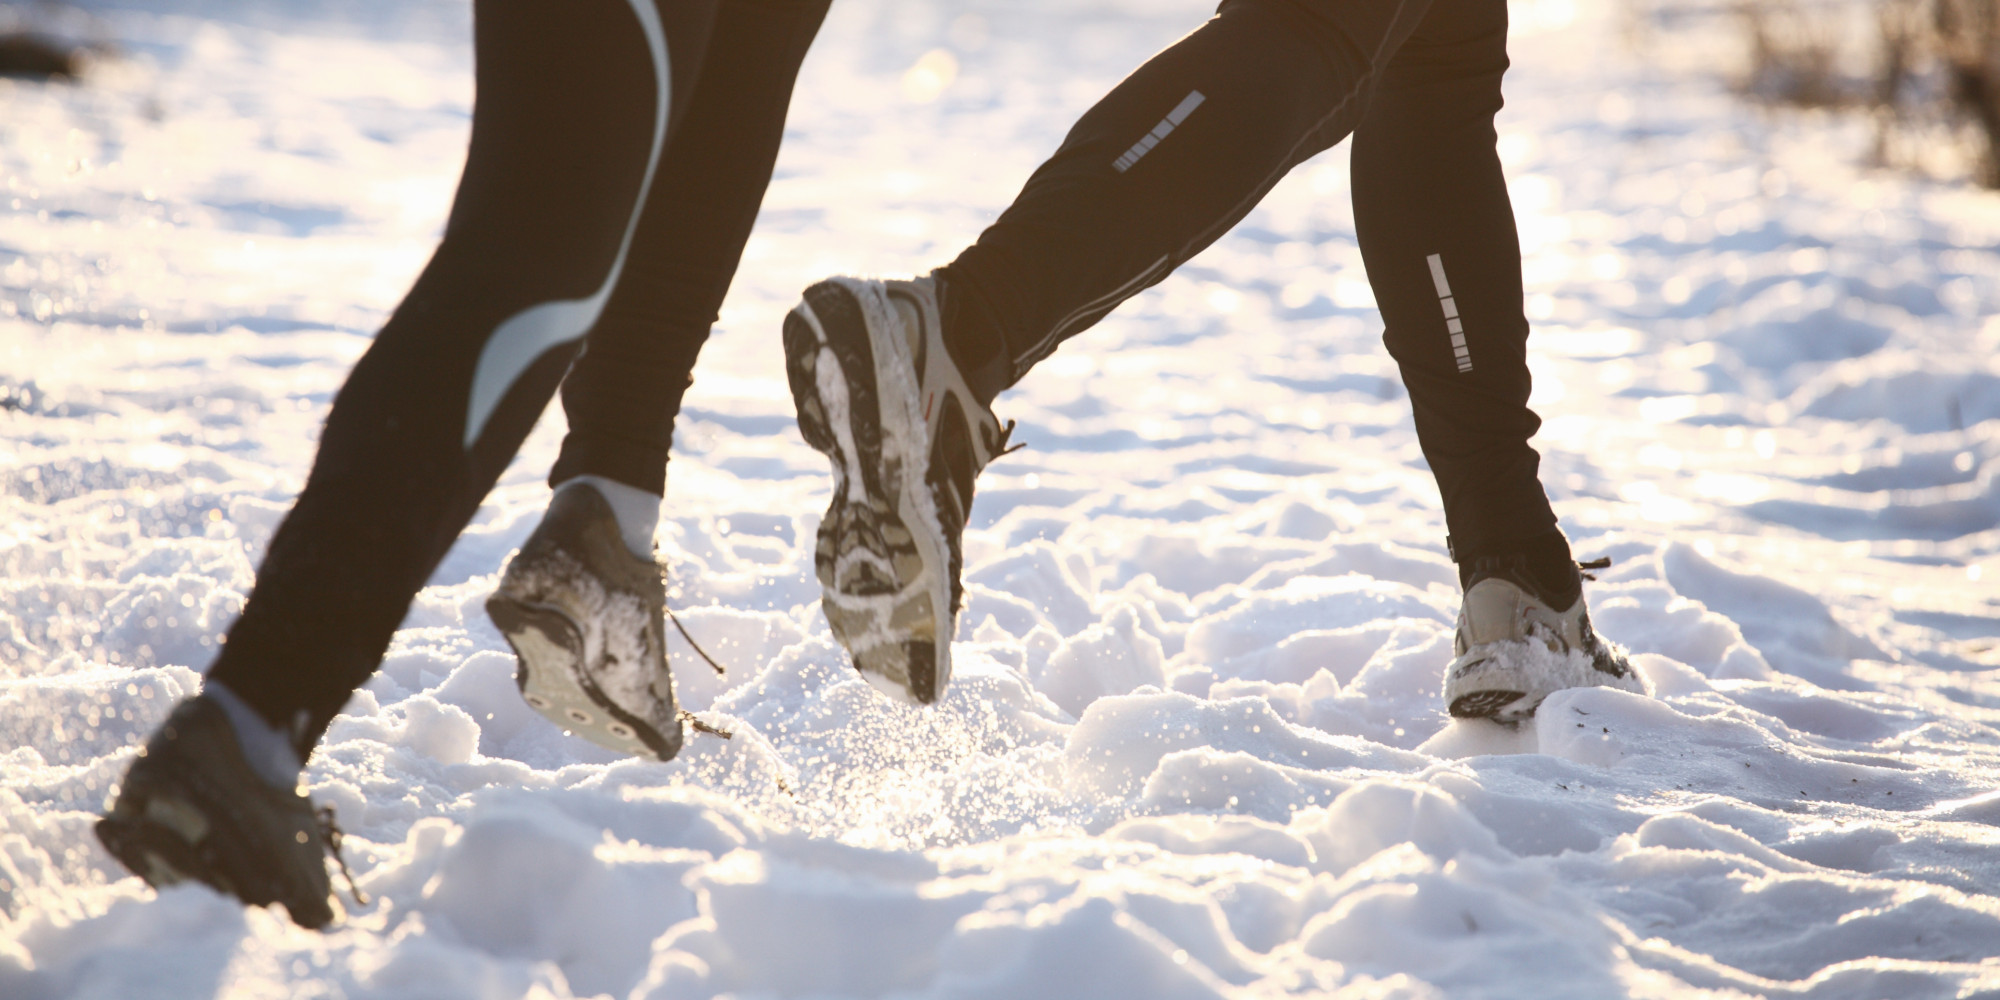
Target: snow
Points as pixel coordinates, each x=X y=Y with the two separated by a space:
x=1194 y=745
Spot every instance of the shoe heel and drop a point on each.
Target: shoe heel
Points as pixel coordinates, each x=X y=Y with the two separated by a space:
x=802 y=350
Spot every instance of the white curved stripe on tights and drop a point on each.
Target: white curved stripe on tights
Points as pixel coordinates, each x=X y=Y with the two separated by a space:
x=524 y=336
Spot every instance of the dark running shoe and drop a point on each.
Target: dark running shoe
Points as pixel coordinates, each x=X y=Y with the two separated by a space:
x=586 y=619
x=1512 y=649
x=879 y=394
x=192 y=808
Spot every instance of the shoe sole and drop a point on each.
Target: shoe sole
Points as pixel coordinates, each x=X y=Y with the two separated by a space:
x=852 y=393
x=1503 y=703
x=167 y=838
x=548 y=655
x=1489 y=705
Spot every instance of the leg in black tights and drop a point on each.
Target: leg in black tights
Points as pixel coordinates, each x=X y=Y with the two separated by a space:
x=624 y=391
x=1185 y=146
x=1437 y=236
x=565 y=212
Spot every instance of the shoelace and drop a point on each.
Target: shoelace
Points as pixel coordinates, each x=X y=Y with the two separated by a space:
x=695 y=722
x=719 y=672
x=1585 y=568
x=331 y=835
x=686 y=716
x=690 y=718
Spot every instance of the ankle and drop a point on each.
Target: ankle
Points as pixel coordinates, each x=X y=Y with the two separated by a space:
x=976 y=342
x=271 y=750
x=1544 y=564
x=636 y=511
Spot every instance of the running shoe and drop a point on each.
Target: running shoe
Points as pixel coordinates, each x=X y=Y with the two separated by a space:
x=879 y=394
x=1512 y=649
x=585 y=618
x=191 y=808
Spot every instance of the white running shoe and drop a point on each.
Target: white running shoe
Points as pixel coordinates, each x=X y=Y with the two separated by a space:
x=585 y=618
x=880 y=395
x=1513 y=650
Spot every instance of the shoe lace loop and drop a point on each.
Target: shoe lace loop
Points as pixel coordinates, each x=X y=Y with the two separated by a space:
x=1000 y=447
x=1586 y=566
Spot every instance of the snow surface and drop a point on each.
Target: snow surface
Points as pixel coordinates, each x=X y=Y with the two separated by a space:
x=1194 y=747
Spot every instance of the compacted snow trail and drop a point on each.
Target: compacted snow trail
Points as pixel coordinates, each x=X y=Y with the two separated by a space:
x=1195 y=746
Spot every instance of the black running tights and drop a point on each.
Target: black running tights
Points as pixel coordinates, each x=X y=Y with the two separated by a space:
x=1187 y=145
x=620 y=148
x=619 y=151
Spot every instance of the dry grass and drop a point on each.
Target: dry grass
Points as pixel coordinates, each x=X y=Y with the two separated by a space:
x=1927 y=70
x=1967 y=37
x=1795 y=54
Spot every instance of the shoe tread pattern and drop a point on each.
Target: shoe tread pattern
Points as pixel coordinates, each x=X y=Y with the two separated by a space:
x=538 y=612
x=866 y=557
x=547 y=644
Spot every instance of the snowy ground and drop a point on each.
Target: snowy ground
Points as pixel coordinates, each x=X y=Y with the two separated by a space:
x=1195 y=746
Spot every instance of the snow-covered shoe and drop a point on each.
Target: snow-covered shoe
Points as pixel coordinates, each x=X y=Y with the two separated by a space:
x=192 y=808
x=585 y=618
x=880 y=395
x=1513 y=650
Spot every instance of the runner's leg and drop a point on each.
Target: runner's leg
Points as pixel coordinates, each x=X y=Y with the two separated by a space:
x=1438 y=238
x=624 y=391
x=1165 y=163
x=1176 y=154
x=570 y=122
x=1185 y=146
